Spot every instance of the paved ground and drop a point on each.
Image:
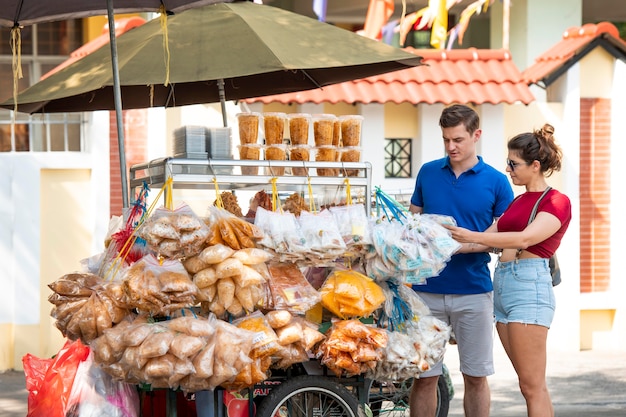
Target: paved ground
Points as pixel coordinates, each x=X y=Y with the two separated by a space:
x=590 y=383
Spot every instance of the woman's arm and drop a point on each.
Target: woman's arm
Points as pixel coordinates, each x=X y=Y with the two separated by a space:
x=544 y=226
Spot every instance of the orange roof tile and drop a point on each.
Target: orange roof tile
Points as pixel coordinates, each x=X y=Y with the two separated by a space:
x=576 y=43
x=121 y=26
x=455 y=76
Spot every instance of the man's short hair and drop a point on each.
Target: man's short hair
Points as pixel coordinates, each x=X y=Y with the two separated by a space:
x=457 y=114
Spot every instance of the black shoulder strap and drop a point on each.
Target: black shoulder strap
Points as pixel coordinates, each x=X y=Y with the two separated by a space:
x=536 y=207
x=533 y=213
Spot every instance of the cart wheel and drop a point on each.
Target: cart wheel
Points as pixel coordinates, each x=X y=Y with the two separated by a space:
x=307 y=396
x=392 y=400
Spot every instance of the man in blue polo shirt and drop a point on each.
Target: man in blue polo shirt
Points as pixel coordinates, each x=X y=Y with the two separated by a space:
x=461 y=185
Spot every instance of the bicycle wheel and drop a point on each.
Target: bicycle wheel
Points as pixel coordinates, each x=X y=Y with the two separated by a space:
x=308 y=396
x=392 y=400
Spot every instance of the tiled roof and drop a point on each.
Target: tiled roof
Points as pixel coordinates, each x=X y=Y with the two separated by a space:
x=576 y=43
x=454 y=76
x=121 y=26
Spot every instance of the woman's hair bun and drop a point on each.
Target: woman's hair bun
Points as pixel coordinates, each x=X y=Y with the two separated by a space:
x=547 y=131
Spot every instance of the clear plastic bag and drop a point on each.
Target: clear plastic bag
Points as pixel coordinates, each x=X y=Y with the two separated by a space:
x=95 y=394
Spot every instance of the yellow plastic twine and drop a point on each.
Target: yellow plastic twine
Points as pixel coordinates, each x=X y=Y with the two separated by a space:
x=16 y=51
x=218 y=197
x=275 y=202
x=169 y=198
x=119 y=260
x=348 y=192
x=166 y=44
x=312 y=207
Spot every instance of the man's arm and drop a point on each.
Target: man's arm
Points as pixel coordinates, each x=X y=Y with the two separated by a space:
x=416 y=209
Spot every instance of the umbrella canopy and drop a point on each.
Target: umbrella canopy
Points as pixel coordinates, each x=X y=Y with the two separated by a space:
x=29 y=12
x=254 y=49
x=16 y=13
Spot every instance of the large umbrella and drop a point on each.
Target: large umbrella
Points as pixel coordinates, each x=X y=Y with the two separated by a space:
x=219 y=52
x=17 y=13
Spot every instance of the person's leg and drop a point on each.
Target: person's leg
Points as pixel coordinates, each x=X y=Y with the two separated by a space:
x=423 y=399
x=527 y=351
x=477 y=397
x=472 y=321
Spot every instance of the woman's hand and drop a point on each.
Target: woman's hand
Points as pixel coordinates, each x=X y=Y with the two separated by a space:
x=460 y=234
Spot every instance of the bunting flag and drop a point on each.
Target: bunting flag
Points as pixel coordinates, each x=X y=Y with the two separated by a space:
x=478 y=7
x=439 y=29
x=378 y=14
x=412 y=20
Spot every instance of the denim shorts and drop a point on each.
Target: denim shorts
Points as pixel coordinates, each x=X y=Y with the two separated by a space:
x=523 y=292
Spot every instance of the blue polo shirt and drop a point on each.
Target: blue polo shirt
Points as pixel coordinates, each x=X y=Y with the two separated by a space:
x=474 y=199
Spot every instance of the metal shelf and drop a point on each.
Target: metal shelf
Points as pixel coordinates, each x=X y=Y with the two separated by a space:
x=188 y=173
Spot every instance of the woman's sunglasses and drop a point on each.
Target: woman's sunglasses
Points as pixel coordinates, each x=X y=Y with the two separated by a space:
x=513 y=164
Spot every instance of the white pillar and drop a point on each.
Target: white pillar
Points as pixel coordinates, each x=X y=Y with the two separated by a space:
x=565 y=331
x=492 y=144
x=373 y=140
x=430 y=143
x=618 y=222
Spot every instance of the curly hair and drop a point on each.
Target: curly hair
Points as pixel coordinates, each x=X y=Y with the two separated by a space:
x=538 y=145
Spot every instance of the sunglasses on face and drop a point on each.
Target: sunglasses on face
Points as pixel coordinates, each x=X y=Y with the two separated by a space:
x=513 y=164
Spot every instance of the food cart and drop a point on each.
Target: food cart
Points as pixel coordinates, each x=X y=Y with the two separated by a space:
x=286 y=316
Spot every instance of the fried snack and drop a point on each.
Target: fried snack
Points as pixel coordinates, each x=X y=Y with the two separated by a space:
x=215 y=254
x=248 y=127
x=252 y=256
x=299 y=153
x=262 y=199
x=274 y=124
x=326 y=154
x=336 y=132
x=323 y=129
x=299 y=128
x=250 y=152
x=275 y=153
x=351 y=155
x=278 y=318
x=351 y=130
x=295 y=204
x=231 y=204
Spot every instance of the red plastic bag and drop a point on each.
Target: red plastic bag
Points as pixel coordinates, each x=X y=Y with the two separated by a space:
x=49 y=381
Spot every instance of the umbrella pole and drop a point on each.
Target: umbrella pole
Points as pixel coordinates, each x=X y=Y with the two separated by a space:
x=117 y=94
x=222 y=93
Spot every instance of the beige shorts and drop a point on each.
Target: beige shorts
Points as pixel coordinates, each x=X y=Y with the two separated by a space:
x=472 y=321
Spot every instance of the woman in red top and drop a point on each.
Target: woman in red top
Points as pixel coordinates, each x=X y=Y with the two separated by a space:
x=523 y=296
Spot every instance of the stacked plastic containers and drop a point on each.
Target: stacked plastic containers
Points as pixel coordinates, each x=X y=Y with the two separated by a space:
x=336 y=139
x=325 y=147
x=249 y=148
x=275 y=149
x=351 y=141
x=299 y=149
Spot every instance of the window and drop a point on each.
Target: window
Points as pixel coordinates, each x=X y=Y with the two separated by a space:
x=398 y=158
x=43 y=47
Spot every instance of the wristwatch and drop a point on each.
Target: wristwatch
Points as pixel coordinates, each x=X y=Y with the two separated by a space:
x=496 y=251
